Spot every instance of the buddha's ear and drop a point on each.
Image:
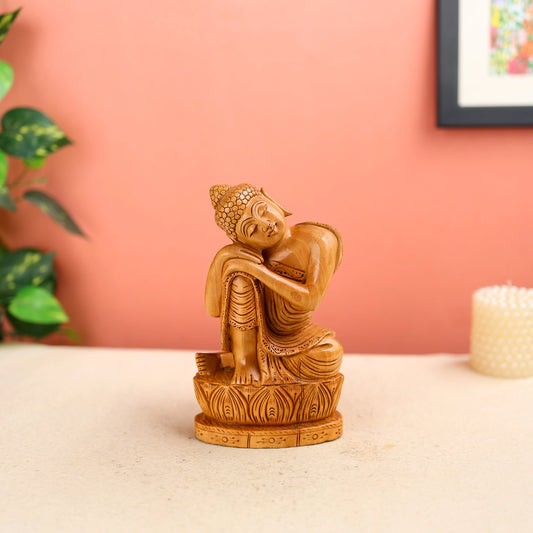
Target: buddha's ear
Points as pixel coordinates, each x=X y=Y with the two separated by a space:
x=283 y=210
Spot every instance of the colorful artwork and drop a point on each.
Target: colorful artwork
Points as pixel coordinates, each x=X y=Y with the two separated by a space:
x=511 y=37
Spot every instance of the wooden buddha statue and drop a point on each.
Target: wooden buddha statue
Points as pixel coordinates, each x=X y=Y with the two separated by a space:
x=276 y=382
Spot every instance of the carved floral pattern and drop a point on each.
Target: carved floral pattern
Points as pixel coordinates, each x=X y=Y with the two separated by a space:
x=268 y=404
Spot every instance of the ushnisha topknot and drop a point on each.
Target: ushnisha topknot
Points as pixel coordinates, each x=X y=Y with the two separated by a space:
x=230 y=203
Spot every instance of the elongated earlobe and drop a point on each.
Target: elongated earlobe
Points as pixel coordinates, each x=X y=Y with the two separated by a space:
x=284 y=211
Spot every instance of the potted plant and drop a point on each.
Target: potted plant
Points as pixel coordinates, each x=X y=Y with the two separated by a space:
x=28 y=307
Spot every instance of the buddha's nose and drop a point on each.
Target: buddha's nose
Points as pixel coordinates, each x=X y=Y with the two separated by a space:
x=270 y=226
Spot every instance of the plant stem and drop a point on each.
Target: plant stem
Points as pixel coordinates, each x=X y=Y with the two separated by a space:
x=19 y=178
x=34 y=180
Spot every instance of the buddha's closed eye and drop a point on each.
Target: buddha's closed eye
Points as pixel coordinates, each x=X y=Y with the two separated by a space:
x=259 y=209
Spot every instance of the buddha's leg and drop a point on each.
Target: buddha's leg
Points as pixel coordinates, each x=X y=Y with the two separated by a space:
x=243 y=331
x=245 y=354
x=321 y=361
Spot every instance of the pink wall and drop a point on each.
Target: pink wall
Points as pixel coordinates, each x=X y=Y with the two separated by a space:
x=328 y=105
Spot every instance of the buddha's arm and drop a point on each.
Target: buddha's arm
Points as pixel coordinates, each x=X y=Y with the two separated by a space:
x=305 y=296
x=213 y=286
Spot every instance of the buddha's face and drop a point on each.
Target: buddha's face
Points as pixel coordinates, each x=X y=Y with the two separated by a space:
x=262 y=225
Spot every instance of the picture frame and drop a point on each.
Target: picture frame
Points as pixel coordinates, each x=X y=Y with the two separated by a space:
x=469 y=94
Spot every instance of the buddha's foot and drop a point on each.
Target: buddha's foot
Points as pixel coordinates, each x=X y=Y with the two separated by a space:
x=246 y=374
x=209 y=363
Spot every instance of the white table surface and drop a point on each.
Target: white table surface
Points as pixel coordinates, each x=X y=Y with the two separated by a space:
x=102 y=440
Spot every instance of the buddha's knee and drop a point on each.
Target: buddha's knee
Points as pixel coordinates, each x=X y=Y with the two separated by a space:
x=241 y=283
x=329 y=352
x=321 y=361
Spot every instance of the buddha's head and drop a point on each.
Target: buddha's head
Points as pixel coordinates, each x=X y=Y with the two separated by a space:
x=248 y=215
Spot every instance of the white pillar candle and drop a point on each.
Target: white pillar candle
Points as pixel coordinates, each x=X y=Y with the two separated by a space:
x=501 y=343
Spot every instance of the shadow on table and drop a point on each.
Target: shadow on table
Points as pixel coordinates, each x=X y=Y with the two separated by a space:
x=460 y=363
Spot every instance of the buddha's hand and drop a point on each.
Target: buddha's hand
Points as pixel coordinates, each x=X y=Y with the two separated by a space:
x=241 y=265
x=237 y=251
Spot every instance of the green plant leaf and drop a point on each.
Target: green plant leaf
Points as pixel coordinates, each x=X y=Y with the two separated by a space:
x=6 y=21
x=28 y=133
x=35 y=163
x=25 y=267
x=27 y=329
x=50 y=207
x=38 y=306
x=71 y=334
x=50 y=283
x=6 y=78
x=4 y=166
x=6 y=201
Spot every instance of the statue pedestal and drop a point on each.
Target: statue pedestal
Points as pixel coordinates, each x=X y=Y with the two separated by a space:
x=273 y=415
x=261 y=436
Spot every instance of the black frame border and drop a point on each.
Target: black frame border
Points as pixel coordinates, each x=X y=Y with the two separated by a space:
x=450 y=114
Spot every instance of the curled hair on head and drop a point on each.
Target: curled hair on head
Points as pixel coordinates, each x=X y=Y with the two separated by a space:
x=230 y=203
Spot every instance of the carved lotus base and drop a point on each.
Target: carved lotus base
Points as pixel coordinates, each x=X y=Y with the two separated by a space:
x=275 y=436
x=269 y=404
